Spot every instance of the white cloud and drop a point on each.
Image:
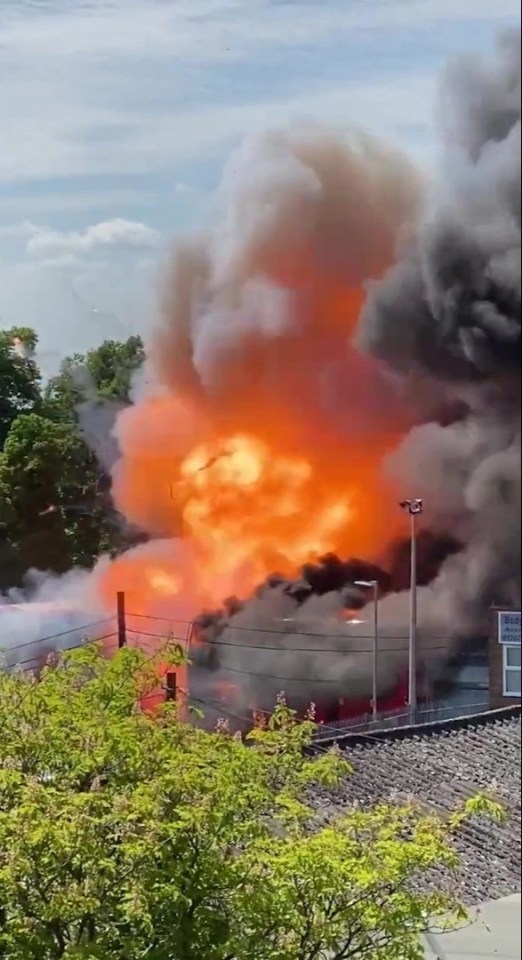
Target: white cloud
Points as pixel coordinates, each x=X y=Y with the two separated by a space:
x=77 y=288
x=363 y=105
x=66 y=262
x=210 y=31
x=17 y=231
x=41 y=204
x=182 y=188
x=118 y=233
x=165 y=138
x=110 y=107
x=127 y=86
x=76 y=304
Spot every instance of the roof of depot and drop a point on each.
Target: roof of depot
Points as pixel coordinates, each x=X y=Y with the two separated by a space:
x=439 y=766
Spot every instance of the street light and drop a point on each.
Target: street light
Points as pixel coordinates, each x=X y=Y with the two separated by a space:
x=414 y=508
x=373 y=585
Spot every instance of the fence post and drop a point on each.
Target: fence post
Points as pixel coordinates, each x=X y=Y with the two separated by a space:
x=120 y=618
x=170 y=685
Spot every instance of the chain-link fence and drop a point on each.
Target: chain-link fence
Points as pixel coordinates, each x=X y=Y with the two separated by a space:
x=429 y=712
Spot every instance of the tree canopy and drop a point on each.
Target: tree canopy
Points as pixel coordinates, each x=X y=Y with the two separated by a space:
x=132 y=835
x=55 y=509
x=20 y=379
x=105 y=373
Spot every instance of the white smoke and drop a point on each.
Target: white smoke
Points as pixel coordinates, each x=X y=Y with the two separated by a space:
x=448 y=311
x=51 y=613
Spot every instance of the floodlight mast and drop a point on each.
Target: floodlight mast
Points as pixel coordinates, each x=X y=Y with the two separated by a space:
x=414 y=509
x=374 y=586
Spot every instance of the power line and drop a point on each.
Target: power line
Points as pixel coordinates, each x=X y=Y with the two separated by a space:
x=329 y=731
x=76 y=646
x=273 y=631
x=218 y=705
x=243 y=629
x=280 y=648
x=157 y=653
x=147 y=616
x=32 y=687
x=270 y=676
x=63 y=633
x=227 y=669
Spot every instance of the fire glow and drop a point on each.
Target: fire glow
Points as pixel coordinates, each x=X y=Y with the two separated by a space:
x=242 y=504
x=262 y=441
x=248 y=511
x=339 y=325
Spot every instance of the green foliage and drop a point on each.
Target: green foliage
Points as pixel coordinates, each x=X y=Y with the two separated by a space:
x=105 y=372
x=111 y=366
x=19 y=376
x=138 y=837
x=55 y=510
x=48 y=483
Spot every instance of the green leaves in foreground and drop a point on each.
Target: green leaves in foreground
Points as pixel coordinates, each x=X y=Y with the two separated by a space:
x=134 y=837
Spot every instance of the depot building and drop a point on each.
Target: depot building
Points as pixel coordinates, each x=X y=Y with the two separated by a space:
x=504 y=658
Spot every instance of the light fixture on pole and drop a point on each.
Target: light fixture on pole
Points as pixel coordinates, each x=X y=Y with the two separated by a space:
x=414 y=508
x=374 y=586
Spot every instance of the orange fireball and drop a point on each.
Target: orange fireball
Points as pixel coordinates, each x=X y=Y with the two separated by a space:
x=262 y=444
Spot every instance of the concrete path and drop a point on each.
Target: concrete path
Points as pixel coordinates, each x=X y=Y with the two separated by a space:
x=495 y=935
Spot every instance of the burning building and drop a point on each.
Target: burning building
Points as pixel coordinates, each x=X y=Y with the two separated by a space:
x=312 y=639
x=346 y=336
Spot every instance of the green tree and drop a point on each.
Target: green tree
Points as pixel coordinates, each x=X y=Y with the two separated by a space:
x=49 y=515
x=55 y=503
x=112 y=366
x=104 y=372
x=140 y=837
x=20 y=379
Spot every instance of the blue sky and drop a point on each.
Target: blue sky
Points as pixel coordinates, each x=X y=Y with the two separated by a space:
x=116 y=117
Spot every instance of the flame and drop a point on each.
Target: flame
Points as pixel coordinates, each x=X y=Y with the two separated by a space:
x=161 y=582
x=244 y=505
x=247 y=507
x=262 y=441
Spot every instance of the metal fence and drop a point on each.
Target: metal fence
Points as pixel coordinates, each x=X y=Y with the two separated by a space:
x=402 y=717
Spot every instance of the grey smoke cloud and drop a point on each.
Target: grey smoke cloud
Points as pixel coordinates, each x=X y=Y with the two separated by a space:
x=449 y=309
x=450 y=306
x=444 y=321
x=311 y=651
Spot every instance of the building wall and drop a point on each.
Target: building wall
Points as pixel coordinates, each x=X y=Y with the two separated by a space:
x=504 y=652
x=470 y=685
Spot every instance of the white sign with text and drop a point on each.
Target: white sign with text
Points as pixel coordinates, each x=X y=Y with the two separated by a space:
x=509 y=627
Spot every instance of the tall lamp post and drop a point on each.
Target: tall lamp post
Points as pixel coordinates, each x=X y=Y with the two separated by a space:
x=414 y=508
x=374 y=586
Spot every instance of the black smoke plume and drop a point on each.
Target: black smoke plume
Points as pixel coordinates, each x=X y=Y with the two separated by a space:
x=449 y=310
x=445 y=318
x=443 y=324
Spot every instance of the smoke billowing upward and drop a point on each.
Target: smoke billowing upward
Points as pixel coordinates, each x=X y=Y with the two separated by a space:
x=448 y=312
x=451 y=305
x=345 y=337
x=449 y=309
x=262 y=437
x=306 y=637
